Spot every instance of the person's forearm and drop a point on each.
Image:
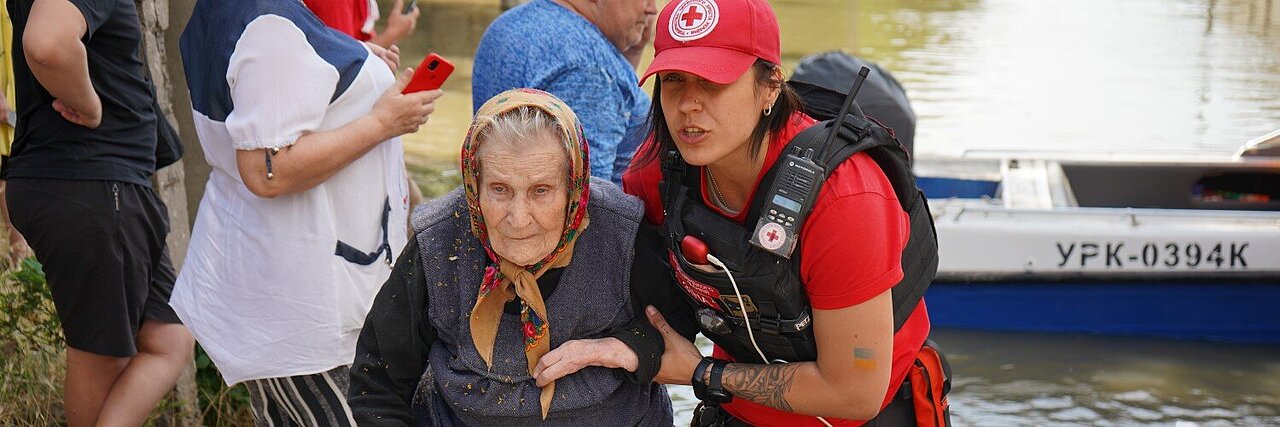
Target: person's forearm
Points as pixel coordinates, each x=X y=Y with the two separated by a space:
x=768 y=385
x=65 y=74
x=794 y=387
x=573 y=355
x=312 y=159
x=399 y=24
x=396 y=30
x=848 y=380
x=616 y=354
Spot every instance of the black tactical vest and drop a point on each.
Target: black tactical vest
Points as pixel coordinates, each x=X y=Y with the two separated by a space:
x=773 y=295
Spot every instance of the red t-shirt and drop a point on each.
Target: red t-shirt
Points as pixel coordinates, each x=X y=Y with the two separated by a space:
x=347 y=16
x=852 y=244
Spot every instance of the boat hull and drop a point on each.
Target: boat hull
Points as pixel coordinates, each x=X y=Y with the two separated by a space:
x=1017 y=253
x=1235 y=312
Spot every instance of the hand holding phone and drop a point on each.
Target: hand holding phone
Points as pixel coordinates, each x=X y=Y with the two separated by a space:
x=429 y=75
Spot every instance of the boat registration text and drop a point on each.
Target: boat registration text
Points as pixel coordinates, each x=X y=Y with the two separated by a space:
x=1153 y=255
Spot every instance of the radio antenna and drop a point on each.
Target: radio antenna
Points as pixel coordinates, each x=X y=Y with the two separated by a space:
x=844 y=109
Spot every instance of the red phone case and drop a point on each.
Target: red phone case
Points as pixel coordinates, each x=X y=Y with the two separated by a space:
x=429 y=75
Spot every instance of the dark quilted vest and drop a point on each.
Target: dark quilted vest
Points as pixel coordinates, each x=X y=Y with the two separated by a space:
x=592 y=298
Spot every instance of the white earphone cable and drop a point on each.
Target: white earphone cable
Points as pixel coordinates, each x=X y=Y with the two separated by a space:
x=745 y=316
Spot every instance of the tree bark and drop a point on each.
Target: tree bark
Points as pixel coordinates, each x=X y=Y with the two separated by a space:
x=170 y=185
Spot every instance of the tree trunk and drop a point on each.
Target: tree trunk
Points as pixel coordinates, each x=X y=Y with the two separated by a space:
x=169 y=184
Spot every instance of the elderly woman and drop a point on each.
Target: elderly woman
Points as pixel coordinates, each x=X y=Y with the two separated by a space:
x=530 y=254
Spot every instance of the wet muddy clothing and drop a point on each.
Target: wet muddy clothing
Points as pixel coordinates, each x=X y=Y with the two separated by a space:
x=404 y=331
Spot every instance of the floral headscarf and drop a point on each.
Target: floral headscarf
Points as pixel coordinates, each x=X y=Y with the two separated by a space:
x=508 y=280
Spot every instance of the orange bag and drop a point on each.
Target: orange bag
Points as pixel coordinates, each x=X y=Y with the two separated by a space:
x=930 y=383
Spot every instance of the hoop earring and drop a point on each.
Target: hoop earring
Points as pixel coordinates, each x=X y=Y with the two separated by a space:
x=768 y=111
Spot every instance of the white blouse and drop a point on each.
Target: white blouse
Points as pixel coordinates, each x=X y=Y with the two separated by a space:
x=262 y=289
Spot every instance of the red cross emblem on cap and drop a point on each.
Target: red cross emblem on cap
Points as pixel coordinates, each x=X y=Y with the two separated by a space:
x=693 y=19
x=691 y=16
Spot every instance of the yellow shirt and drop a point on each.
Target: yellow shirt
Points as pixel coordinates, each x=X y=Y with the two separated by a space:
x=6 y=76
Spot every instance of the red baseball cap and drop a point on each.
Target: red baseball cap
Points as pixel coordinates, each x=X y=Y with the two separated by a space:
x=717 y=40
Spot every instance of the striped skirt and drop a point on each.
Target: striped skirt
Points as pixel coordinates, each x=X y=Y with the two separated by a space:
x=303 y=400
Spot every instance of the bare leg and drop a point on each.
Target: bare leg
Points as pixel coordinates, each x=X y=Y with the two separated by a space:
x=88 y=382
x=164 y=349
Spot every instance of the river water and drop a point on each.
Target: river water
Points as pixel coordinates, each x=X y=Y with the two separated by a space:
x=1041 y=75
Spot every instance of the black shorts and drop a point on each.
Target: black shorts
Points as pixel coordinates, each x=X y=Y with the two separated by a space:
x=103 y=247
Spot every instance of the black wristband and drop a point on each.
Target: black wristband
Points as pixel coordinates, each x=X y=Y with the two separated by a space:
x=715 y=388
x=700 y=386
x=714 y=393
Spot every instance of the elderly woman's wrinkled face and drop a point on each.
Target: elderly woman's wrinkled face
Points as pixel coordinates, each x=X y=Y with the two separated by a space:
x=523 y=196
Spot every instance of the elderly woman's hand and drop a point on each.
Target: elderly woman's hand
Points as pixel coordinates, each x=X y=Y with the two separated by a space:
x=574 y=355
x=400 y=113
x=681 y=356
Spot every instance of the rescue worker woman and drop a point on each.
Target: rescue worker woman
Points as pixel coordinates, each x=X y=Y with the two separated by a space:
x=720 y=102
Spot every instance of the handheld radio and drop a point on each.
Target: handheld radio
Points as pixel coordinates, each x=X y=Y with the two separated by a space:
x=791 y=197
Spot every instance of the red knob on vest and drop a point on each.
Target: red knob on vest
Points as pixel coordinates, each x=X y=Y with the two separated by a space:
x=695 y=251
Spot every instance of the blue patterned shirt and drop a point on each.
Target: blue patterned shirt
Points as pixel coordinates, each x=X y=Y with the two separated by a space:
x=542 y=45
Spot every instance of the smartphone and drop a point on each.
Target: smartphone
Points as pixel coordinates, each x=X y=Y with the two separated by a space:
x=429 y=75
x=408 y=6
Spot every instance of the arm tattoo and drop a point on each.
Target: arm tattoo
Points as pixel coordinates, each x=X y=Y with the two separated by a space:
x=763 y=384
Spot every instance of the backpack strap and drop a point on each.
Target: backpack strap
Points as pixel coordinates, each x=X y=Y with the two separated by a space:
x=858 y=134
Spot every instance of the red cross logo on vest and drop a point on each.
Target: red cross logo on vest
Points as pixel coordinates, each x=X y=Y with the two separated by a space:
x=771 y=235
x=693 y=19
